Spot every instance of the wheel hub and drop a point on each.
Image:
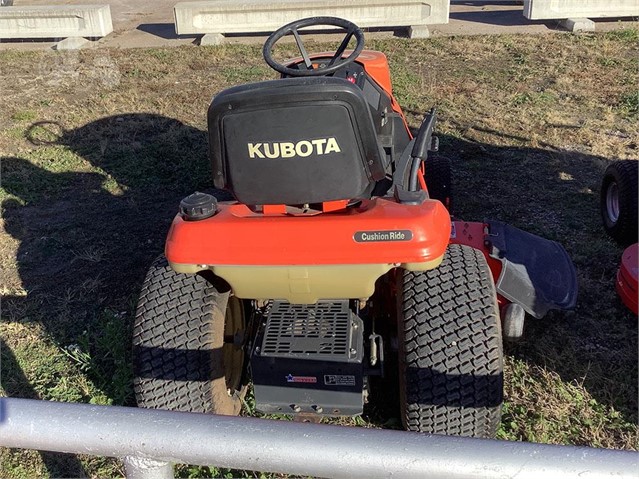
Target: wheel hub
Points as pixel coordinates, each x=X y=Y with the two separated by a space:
x=612 y=203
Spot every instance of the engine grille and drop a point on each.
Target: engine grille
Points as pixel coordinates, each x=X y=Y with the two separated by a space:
x=323 y=330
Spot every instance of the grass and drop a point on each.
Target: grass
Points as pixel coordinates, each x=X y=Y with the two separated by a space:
x=97 y=147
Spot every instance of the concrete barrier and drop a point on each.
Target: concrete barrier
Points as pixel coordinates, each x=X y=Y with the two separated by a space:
x=561 y=9
x=257 y=16
x=57 y=21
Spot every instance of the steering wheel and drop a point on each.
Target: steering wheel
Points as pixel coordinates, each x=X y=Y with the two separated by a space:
x=335 y=63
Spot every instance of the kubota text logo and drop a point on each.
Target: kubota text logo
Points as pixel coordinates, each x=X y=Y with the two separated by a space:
x=304 y=148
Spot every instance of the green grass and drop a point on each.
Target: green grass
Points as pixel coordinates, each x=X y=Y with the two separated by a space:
x=24 y=115
x=96 y=154
x=629 y=103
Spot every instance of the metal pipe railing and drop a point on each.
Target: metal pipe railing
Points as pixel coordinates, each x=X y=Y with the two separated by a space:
x=152 y=439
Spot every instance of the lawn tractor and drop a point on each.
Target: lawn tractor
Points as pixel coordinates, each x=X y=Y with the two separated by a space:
x=336 y=262
x=618 y=204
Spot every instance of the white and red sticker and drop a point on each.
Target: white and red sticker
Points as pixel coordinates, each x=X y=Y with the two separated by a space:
x=300 y=379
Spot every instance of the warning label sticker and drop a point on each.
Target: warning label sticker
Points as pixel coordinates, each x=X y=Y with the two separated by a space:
x=339 y=380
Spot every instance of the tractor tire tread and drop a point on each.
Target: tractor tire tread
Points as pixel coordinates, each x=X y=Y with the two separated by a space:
x=177 y=362
x=452 y=347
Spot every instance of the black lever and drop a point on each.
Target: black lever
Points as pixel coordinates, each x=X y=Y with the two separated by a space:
x=423 y=144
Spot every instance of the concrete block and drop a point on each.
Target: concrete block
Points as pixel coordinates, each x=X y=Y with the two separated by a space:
x=559 y=9
x=577 y=25
x=55 y=21
x=256 y=16
x=418 y=31
x=212 y=39
x=71 y=43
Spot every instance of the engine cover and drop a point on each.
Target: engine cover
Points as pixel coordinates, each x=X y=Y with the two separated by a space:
x=309 y=359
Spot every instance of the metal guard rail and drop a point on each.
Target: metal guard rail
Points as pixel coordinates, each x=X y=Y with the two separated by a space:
x=151 y=440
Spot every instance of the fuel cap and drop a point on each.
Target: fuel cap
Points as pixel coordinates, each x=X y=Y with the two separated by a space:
x=198 y=206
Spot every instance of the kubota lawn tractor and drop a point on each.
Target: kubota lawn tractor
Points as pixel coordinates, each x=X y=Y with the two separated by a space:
x=336 y=262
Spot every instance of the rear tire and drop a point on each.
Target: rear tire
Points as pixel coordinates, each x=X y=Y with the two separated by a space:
x=450 y=348
x=619 y=201
x=180 y=358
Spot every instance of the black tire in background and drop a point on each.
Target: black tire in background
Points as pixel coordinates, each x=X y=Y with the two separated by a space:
x=618 y=201
x=450 y=348
x=180 y=358
x=439 y=180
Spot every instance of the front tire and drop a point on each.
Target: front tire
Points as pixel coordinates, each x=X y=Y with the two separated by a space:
x=450 y=348
x=181 y=360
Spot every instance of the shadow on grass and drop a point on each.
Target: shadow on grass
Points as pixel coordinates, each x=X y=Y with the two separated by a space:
x=87 y=238
x=15 y=384
x=554 y=193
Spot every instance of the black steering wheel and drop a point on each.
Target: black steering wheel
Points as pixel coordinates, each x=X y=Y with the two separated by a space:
x=335 y=63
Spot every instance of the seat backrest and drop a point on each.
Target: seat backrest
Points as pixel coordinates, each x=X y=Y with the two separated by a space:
x=294 y=141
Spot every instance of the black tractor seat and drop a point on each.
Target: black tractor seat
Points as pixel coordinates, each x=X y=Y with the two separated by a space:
x=295 y=141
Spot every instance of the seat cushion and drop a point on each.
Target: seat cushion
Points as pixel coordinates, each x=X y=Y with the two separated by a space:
x=294 y=141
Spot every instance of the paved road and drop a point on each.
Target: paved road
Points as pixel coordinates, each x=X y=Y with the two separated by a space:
x=149 y=23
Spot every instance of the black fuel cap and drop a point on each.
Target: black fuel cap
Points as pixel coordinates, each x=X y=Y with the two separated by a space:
x=198 y=206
